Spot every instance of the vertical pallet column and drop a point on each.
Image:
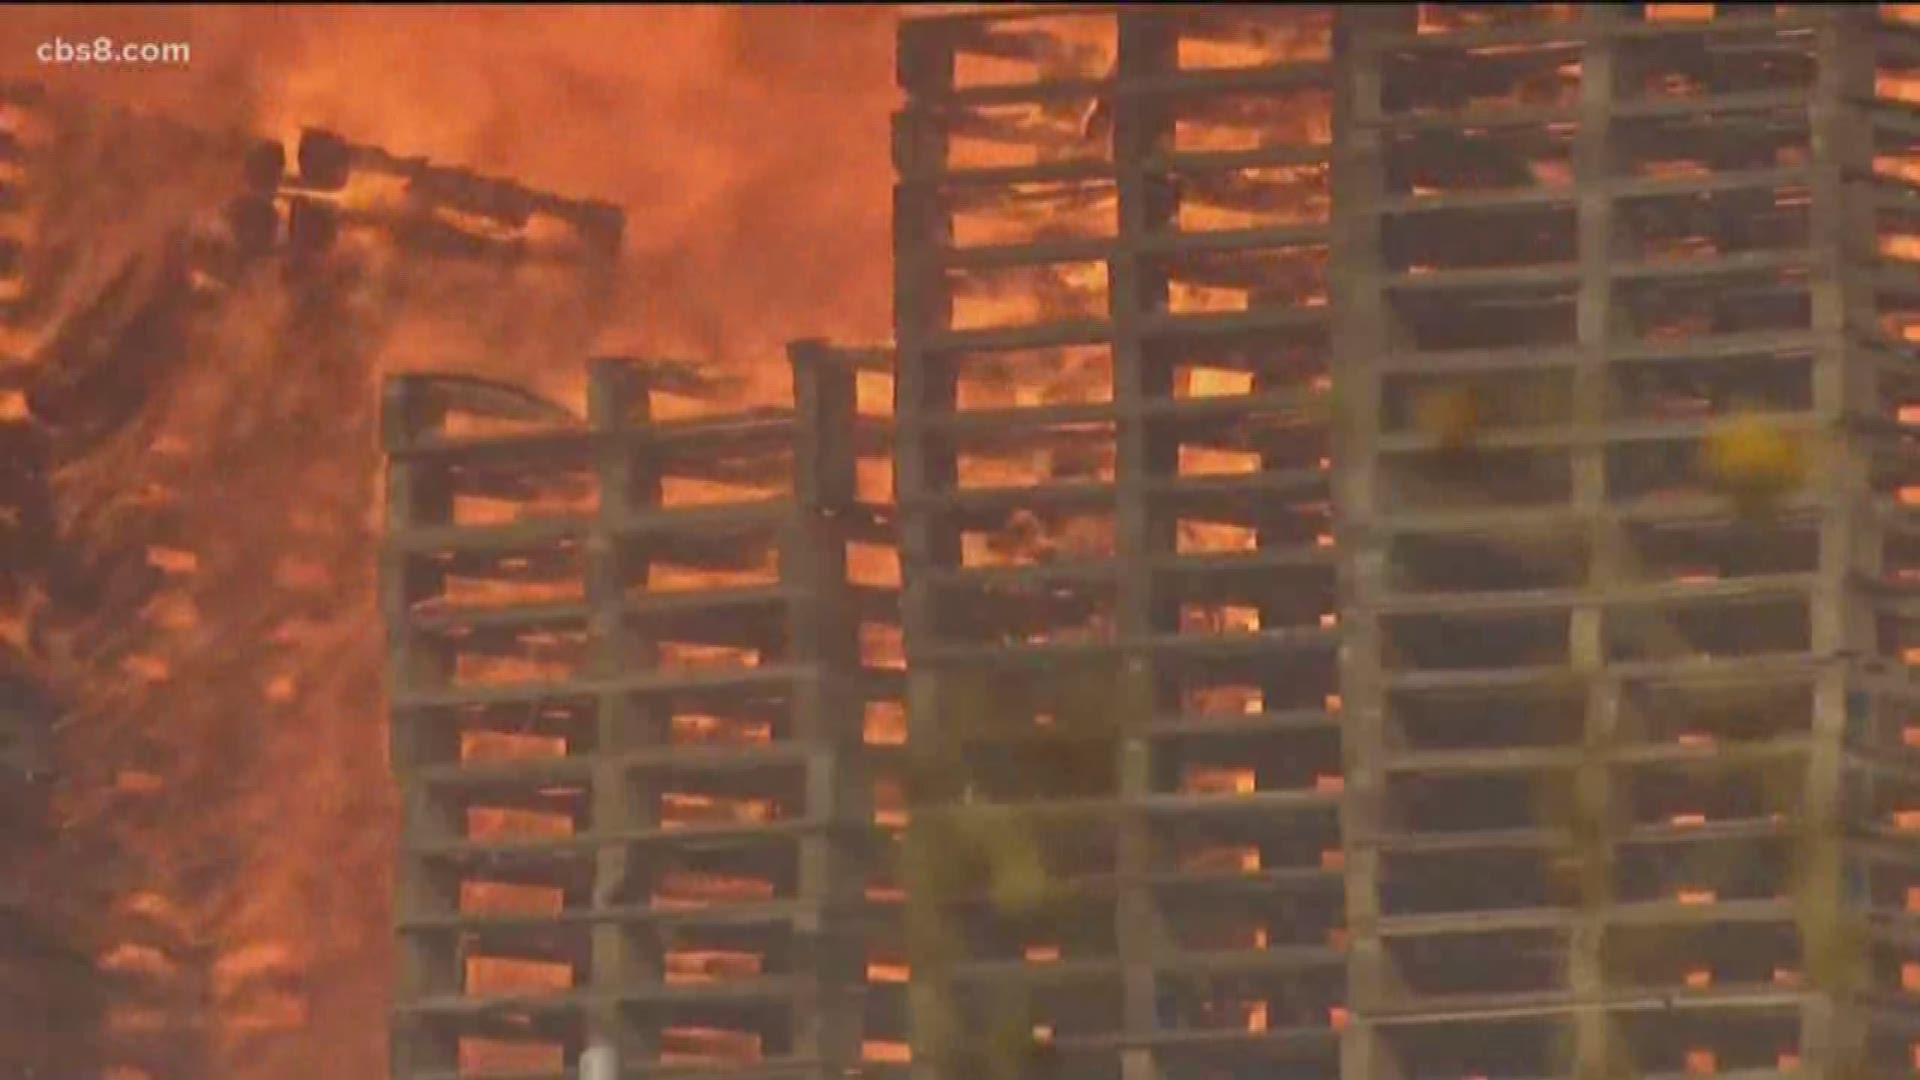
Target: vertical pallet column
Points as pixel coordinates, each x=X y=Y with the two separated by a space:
x=1844 y=631
x=1229 y=919
x=1360 y=337
x=1136 y=289
x=620 y=800
x=923 y=389
x=823 y=627
x=415 y=500
x=843 y=483
x=1456 y=286
x=492 y=747
x=1709 y=600
x=1593 y=794
x=1884 y=707
x=1008 y=437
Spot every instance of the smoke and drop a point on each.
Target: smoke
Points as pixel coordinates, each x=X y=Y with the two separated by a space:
x=230 y=719
x=748 y=146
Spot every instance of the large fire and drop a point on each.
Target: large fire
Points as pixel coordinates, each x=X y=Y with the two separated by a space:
x=227 y=796
x=227 y=803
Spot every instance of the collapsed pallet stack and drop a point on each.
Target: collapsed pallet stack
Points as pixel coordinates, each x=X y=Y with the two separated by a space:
x=635 y=663
x=127 y=237
x=47 y=1002
x=48 y=992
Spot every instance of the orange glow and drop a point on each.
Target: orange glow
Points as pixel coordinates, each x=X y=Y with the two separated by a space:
x=684 y=967
x=1041 y=954
x=135 y=781
x=1680 y=12
x=1697 y=896
x=1896 y=85
x=1903 y=246
x=499 y=975
x=1237 y=858
x=885 y=724
x=877 y=565
x=883 y=645
x=1028 y=296
x=1219 y=618
x=1221 y=781
x=1333 y=859
x=1702 y=1062
x=172 y=560
x=480 y=746
x=1299 y=119
x=1259 y=37
x=1337 y=1018
x=885 y=1052
x=499 y=1055
x=1217 y=382
x=1689 y=820
x=692 y=808
x=666 y=577
x=483 y=822
x=1906 y=820
x=1699 y=978
x=683 y=889
x=699 y=729
x=1205 y=461
x=1203 y=537
x=1678 y=169
x=263 y=667
x=692 y=1045
x=504 y=898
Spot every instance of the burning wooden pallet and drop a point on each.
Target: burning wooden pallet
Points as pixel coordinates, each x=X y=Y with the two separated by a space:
x=632 y=664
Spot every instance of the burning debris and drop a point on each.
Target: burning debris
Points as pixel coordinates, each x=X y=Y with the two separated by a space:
x=201 y=386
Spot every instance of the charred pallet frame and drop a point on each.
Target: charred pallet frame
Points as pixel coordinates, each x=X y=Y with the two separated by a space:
x=1115 y=350
x=635 y=665
x=1613 y=227
x=1616 y=226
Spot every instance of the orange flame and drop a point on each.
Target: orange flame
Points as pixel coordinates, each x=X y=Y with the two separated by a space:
x=261 y=654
